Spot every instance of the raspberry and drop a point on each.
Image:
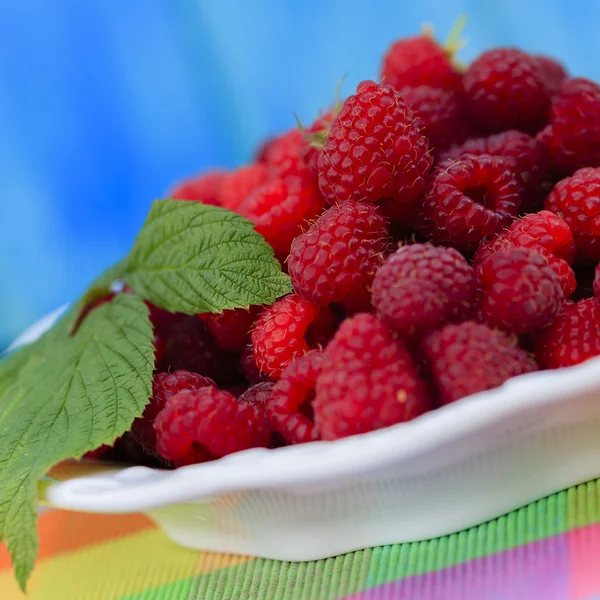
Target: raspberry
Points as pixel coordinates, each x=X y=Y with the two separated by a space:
x=506 y=89
x=520 y=292
x=280 y=208
x=421 y=287
x=468 y=358
x=418 y=61
x=205 y=188
x=526 y=156
x=336 y=259
x=596 y=284
x=543 y=232
x=318 y=131
x=198 y=425
x=375 y=149
x=368 y=381
x=290 y=405
x=231 y=328
x=239 y=184
x=189 y=346
x=279 y=333
x=468 y=199
x=441 y=113
x=572 y=338
x=164 y=386
x=258 y=394
x=577 y=200
x=285 y=154
x=574 y=136
x=554 y=73
x=249 y=367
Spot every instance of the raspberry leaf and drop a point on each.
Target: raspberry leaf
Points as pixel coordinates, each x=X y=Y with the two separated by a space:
x=60 y=404
x=192 y=258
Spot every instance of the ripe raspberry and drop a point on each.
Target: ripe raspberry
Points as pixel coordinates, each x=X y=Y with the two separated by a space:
x=375 y=149
x=596 y=284
x=469 y=199
x=279 y=333
x=205 y=188
x=285 y=154
x=239 y=184
x=526 y=156
x=421 y=287
x=323 y=328
x=441 y=113
x=280 y=209
x=189 y=346
x=289 y=407
x=519 y=291
x=336 y=259
x=100 y=452
x=573 y=139
x=469 y=358
x=258 y=394
x=418 y=61
x=164 y=386
x=543 y=232
x=249 y=367
x=231 y=328
x=554 y=73
x=198 y=425
x=577 y=200
x=318 y=131
x=572 y=338
x=506 y=89
x=368 y=381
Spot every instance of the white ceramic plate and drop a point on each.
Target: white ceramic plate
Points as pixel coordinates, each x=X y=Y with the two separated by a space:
x=447 y=470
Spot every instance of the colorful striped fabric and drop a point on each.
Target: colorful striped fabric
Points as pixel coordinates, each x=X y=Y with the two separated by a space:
x=549 y=550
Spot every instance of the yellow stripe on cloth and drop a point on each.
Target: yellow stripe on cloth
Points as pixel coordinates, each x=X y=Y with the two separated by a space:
x=114 y=568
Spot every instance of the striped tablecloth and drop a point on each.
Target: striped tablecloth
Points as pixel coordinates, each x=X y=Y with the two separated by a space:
x=549 y=550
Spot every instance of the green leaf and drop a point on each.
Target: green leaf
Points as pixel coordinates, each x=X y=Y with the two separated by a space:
x=191 y=258
x=81 y=392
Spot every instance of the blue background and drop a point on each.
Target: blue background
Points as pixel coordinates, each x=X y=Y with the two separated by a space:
x=104 y=103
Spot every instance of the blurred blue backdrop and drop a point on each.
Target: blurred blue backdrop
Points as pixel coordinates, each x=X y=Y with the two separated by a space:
x=103 y=104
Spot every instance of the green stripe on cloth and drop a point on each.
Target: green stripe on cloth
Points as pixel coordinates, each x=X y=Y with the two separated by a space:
x=337 y=577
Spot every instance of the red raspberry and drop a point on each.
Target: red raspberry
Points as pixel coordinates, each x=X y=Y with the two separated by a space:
x=197 y=425
x=280 y=209
x=318 y=131
x=441 y=113
x=258 y=394
x=368 y=381
x=469 y=358
x=418 y=61
x=596 y=284
x=469 y=199
x=526 y=156
x=572 y=338
x=519 y=290
x=506 y=89
x=336 y=259
x=239 y=184
x=249 y=367
x=164 y=386
x=279 y=333
x=290 y=406
x=574 y=136
x=577 y=200
x=375 y=149
x=554 y=73
x=231 y=328
x=421 y=287
x=97 y=453
x=205 y=188
x=543 y=232
x=285 y=154
x=189 y=346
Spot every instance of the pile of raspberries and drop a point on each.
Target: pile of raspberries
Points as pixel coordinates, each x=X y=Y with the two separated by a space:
x=441 y=230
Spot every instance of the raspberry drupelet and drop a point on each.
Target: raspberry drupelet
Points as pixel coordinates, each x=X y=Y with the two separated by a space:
x=336 y=259
x=469 y=199
x=470 y=357
x=421 y=287
x=519 y=291
x=368 y=381
x=289 y=407
x=506 y=89
x=375 y=149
